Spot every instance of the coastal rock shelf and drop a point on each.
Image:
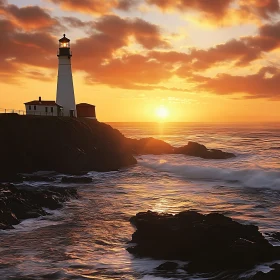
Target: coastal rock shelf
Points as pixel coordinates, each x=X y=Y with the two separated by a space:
x=19 y=203
x=209 y=242
x=74 y=145
x=66 y=145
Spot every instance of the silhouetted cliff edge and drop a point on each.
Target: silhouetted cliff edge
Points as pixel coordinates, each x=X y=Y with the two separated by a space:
x=67 y=145
x=71 y=145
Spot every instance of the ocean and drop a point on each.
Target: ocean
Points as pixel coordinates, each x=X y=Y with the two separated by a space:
x=87 y=239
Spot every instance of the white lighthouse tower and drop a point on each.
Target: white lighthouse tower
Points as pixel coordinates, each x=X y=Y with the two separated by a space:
x=65 y=96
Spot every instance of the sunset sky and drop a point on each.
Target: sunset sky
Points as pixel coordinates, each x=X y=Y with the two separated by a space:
x=201 y=60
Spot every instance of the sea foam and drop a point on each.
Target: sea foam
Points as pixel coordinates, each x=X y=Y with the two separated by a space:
x=256 y=177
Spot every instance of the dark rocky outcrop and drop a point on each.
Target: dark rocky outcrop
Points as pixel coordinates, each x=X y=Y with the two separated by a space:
x=19 y=203
x=37 y=178
x=154 y=146
x=70 y=145
x=66 y=145
x=149 y=146
x=275 y=235
x=209 y=242
x=274 y=274
x=198 y=150
x=168 y=266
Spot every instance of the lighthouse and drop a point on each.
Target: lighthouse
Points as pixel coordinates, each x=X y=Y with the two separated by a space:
x=65 y=96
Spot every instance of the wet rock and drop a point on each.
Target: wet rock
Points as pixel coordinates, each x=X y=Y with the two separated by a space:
x=19 y=203
x=199 y=150
x=275 y=235
x=38 y=178
x=149 y=146
x=10 y=176
x=168 y=266
x=271 y=275
x=209 y=242
x=76 y=180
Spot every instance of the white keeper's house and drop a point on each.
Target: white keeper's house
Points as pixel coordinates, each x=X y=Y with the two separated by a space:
x=65 y=104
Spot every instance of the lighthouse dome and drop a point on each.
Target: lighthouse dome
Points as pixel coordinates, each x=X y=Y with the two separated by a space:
x=64 y=39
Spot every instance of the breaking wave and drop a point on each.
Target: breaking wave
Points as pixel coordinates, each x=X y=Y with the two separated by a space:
x=248 y=177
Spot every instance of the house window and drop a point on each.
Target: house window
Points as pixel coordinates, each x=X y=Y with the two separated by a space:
x=35 y=107
x=29 y=107
x=46 y=109
x=52 y=109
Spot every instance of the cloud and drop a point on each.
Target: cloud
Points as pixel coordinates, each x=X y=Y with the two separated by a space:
x=27 y=44
x=29 y=17
x=264 y=84
x=146 y=34
x=214 y=8
x=95 y=6
x=132 y=71
x=240 y=52
x=225 y=12
x=262 y=8
x=18 y=49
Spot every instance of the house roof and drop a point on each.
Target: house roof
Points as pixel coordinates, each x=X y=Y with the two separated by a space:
x=42 y=103
x=85 y=105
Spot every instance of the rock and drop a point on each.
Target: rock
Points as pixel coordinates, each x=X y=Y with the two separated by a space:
x=10 y=176
x=198 y=150
x=65 y=145
x=149 y=146
x=38 y=178
x=19 y=203
x=271 y=275
x=75 y=145
x=275 y=235
x=76 y=180
x=167 y=266
x=4 y=226
x=209 y=242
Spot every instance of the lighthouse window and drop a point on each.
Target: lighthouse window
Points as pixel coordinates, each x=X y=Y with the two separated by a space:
x=35 y=107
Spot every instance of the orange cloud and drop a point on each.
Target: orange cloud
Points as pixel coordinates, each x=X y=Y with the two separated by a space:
x=18 y=49
x=29 y=17
x=22 y=45
x=214 y=8
x=264 y=84
x=227 y=12
x=132 y=71
x=95 y=6
x=146 y=34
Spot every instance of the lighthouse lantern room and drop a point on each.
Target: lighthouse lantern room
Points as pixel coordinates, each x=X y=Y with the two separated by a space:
x=65 y=96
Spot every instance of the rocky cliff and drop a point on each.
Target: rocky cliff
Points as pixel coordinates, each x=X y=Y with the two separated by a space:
x=71 y=145
x=68 y=145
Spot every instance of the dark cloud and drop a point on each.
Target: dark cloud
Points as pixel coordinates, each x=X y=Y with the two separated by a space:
x=126 y=5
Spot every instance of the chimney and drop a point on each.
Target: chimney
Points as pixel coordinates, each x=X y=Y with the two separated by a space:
x=40 y=99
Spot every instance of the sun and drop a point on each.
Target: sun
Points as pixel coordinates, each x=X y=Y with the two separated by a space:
x=162 y=112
